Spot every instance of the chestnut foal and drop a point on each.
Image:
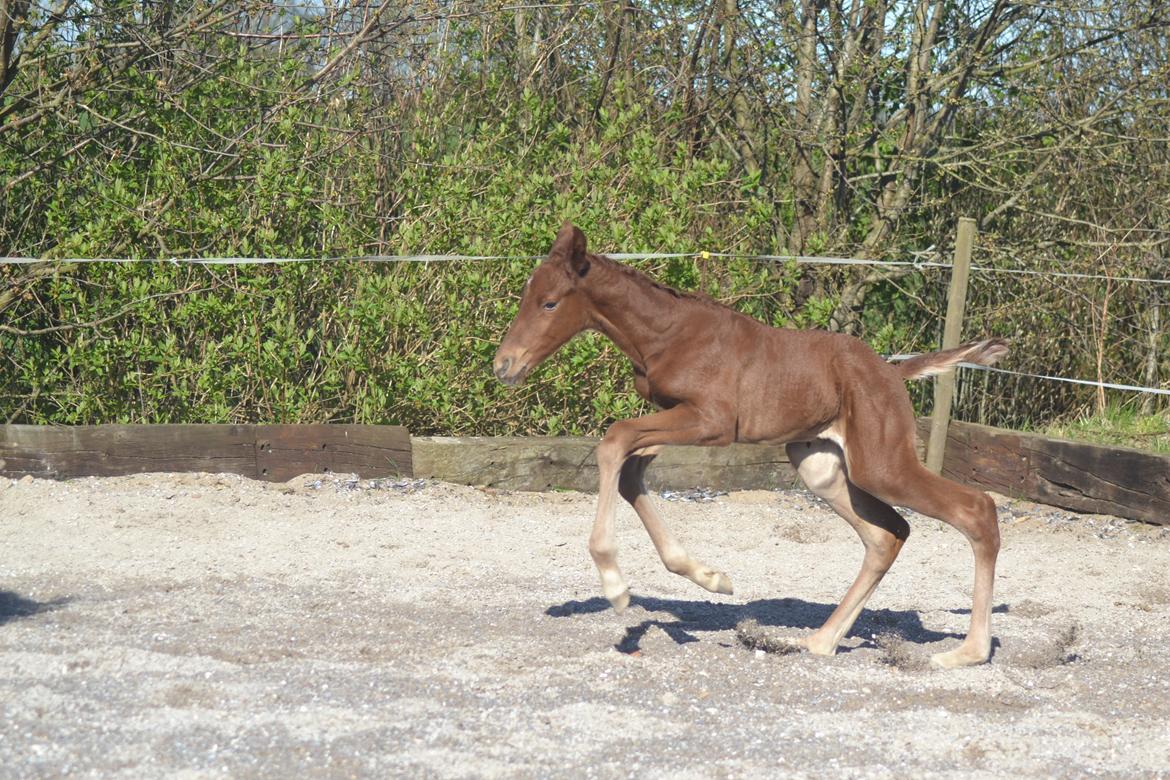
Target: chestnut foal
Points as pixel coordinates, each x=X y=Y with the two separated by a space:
x=719 y=376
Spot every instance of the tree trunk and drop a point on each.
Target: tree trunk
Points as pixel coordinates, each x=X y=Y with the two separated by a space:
x=739 y=105
x=804 y=173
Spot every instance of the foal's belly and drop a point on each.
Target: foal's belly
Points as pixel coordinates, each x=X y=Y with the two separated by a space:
x=783 y=406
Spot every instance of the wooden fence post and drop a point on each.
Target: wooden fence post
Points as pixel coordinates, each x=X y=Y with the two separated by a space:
x=944 y=386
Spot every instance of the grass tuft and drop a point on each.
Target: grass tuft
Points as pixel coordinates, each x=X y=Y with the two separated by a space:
x=1118 y=426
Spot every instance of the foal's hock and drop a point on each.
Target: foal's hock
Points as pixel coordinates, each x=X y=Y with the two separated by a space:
x=719 y=376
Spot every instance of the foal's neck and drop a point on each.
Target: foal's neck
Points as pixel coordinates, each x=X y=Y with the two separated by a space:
x=637 y=314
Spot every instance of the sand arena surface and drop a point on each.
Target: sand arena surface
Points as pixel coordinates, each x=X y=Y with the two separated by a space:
x=207 y=625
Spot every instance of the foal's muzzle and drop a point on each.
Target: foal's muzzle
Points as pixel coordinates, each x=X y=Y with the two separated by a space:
x=508 y=372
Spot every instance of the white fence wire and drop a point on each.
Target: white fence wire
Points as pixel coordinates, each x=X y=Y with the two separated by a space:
x=798 y=259
x=446 y=258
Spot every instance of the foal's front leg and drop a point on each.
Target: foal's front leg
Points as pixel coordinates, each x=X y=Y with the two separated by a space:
x=632 y=486
x=681 y=425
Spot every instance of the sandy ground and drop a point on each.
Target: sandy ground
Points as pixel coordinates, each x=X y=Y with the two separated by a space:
x=206 y=625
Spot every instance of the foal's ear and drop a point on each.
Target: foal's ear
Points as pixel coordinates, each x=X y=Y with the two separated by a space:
x=570 y=245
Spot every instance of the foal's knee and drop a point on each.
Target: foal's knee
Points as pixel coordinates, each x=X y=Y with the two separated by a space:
x=602 y=551
x=613 y=447
x=609 y=453
x=982 y=527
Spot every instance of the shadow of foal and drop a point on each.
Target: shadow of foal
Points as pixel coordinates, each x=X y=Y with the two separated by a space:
x=688 y=618
x=14 y=606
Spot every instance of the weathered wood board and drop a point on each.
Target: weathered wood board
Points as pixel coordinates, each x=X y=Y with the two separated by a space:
x=549 y=463
x=370 y=451
x=1073 y=475
x=267 y=452
x=1076 y=476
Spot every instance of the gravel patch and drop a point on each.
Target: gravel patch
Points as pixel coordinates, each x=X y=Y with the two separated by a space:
x=204 y=625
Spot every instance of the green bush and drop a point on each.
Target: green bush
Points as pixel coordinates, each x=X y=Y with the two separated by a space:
x=218 y=162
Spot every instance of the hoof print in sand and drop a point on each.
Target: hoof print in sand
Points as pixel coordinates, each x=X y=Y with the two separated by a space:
x=903 y=654
x=1049 y=647
x=753 y=636
x=1055 y=646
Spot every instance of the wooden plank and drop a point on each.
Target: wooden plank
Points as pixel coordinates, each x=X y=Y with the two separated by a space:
x=737 y=467
x=508 y=462
x=1107 y=480
x=1072 y=475
x=548 y=463
x=269 y=452
x=986 y=458
x=112 y=450
x=370 y=451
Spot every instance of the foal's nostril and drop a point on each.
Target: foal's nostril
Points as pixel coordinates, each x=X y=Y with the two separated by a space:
x=502 y=366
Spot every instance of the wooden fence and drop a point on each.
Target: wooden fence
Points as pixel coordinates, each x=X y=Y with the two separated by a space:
x=1073 y=475
x=1076 y=476
x=268 y=452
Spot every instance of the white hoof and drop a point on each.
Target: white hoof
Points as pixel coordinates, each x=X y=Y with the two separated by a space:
x=959 y=657
x=714 y=581
x=620 y=601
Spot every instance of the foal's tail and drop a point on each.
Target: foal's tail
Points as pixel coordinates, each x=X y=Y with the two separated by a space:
x=982 y=353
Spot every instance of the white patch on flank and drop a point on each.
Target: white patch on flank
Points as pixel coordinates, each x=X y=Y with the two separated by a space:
x=829 y=434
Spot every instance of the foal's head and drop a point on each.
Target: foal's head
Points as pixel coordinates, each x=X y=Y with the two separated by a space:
x=552 y=308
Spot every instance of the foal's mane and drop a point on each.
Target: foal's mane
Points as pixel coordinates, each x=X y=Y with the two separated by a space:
x=645 y=282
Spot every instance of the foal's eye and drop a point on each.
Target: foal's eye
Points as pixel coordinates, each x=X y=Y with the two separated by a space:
x=550 y=305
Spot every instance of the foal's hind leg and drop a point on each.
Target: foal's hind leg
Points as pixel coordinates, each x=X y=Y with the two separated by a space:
x=883 y=531
x=971 y=511
x=633 y=489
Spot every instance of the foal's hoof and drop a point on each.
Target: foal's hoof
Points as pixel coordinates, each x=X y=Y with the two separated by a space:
x=722 y=584
x=959 y=657
x=817 y=646
x=620 y=601
x=714 y=581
